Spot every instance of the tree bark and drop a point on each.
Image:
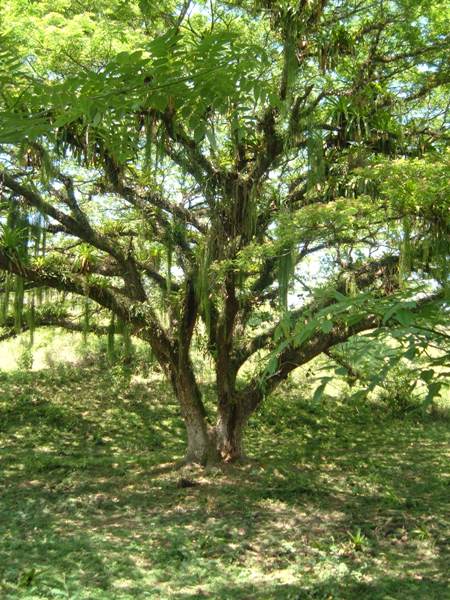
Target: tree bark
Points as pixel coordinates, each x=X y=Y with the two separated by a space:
x=207 y=444
x=201 y=446
x=230 y=426
x=229 y=434
x=201 y=442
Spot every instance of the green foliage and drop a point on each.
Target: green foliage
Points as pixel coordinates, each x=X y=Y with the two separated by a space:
x=111 y=338
x=203 y=285
x=175 y=172
x=358 y=540
x=398 y=392
x=25 y=360
x=286 y=267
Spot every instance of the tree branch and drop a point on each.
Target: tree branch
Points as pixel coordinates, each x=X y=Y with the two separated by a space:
x=79 y=228
x=291 y=358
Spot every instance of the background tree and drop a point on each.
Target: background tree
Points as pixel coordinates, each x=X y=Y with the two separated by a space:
x=181 y=169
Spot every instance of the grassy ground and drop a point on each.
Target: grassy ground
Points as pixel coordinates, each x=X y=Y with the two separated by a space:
x=338 y=502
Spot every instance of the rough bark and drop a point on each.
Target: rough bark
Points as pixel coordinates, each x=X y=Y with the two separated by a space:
x=201 y=444
x=230 y=426
x=206 y=443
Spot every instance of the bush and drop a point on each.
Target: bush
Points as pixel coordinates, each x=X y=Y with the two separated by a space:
x=25 y=359
x=399 y=393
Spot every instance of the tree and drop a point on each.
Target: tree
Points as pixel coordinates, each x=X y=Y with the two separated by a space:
x=178 y=167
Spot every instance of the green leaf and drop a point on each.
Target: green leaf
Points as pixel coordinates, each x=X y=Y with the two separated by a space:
x=358 y=395
x=272 y=366
x=390 y=313
x=318 y=393
x=427 y=375
x=433 y=391
x=341 y=371
x=97 y=118
x=305 y=333
x=326 y=326
x=404 y=317
x=410 y=353
x=339 y=296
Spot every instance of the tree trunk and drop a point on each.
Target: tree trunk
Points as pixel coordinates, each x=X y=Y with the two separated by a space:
x=229 y=431
x=207 y=444
x=201 y=446
x=210 y=445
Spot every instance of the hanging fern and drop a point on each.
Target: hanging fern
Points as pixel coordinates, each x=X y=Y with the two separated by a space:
x=286 y=268
x=351 y=287
x=315 y=154
x=250 y=216
x=14 y=239
x=86 y=319
x=110 y=347
x=291 y=36
x=123 y=329
x=127 y=344
x=160 y=138
x=30 y=315
x=405 y=263
x=149 y=124
x=5 y=298
x=169 y=250
x=202 y=285
x=19 y=293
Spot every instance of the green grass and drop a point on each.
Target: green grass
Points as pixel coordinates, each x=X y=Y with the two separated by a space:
x=336 y=501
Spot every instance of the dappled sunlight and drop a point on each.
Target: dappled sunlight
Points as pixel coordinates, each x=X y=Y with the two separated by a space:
x=340 y=502
x=224 y=299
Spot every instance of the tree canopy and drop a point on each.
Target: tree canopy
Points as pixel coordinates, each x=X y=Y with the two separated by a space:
x=265 y=180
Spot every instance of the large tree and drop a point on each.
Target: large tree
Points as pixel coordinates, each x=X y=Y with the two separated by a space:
x=186 y=166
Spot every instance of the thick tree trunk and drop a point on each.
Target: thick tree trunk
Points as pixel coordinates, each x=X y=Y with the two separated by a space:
x=201 y=446
x=210 y=445
x=207 y=444
x=229 y=431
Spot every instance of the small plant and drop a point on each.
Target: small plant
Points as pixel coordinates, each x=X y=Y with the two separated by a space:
x=26 y=578
x=358 y=540
x=423 y=534
x=25 y=359
x=398 y=393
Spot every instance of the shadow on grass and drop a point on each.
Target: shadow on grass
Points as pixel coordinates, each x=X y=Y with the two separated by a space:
x=339 y=503
x=384 y=588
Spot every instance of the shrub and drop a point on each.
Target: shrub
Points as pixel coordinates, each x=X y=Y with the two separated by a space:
x=399 y=391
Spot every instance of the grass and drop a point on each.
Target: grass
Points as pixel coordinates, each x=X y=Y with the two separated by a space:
x=336 y=502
